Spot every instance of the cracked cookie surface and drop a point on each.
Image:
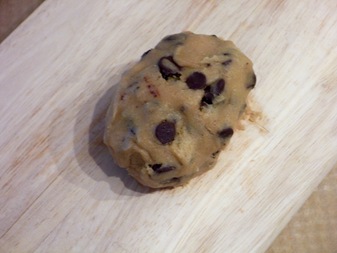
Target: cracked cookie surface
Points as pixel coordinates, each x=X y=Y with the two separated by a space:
x=177 y=108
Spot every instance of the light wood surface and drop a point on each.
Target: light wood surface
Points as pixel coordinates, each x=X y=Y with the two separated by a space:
x=60 y=191
x=13 y=12
x=313 y=228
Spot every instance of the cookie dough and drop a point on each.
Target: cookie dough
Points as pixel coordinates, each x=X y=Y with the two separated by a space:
x=177 y=108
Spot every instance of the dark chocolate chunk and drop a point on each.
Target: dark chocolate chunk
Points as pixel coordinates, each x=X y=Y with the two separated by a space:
x=211 y=91
x=166 y=132
x=196 y=81
x=226 y=63
x=160 y=169
x=251 y=85
x=207 y=89
x=226 y=133
x=168 y=67
x=207 y=99
x=145 y=53
x=226 y=54
x=155 y=166
x=218 y=87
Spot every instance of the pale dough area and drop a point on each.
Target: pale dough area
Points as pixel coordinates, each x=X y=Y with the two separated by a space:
x=177 y=108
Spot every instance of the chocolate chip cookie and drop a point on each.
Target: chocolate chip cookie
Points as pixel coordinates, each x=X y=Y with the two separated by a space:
x=177 y=108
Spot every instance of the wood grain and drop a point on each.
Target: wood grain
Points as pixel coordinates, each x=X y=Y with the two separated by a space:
x=313 y=227
x=61 y=192
x=13 y=12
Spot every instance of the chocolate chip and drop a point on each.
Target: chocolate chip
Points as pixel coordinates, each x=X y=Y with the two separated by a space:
x=168 y=67
x=145 y=53
x=226 y=63
x=165 y=169
x=218 y=87
x=165 y=132
x=215 y=154
x=196 y=81
x=226 y=54
x=211 y=91
x=160 y=169
x=251 y=85
x=207 y=99
x=226 y=133
x=155 y=166
x=207 y=89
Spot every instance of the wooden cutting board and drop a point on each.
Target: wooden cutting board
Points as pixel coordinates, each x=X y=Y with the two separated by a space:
x=61 y=192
